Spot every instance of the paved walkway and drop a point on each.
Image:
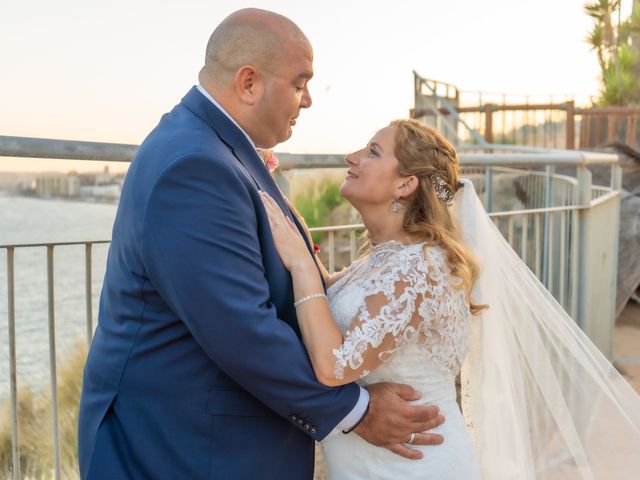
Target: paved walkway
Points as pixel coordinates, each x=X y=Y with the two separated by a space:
x=626 y=344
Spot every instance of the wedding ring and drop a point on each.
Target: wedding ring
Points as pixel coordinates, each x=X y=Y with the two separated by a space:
x=412 y=437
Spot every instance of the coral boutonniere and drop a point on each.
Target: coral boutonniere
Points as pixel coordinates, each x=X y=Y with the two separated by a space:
x=269 y=158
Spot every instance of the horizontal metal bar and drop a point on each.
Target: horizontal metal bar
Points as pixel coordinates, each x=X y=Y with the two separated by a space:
x=494 y=107
x=65 y=149
x=57 y=244
x=538 y=159
x=536 y=210
x=338 y=228
x=604 y=198
x=115 y=152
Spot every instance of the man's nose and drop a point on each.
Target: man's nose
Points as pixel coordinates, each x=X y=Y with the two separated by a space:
x=306 y=101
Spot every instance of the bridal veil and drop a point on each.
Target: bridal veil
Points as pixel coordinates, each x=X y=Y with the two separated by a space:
x=540 y=399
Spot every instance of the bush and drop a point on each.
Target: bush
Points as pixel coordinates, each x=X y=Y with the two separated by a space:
x=317 y=202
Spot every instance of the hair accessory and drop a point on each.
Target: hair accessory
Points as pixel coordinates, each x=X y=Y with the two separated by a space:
x=395 y=205
x=309 y=297
x=442 y=190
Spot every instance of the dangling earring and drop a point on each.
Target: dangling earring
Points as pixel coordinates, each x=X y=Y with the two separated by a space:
x=395 y=205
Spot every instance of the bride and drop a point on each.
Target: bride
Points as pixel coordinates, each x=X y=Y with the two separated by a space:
x=539 y=400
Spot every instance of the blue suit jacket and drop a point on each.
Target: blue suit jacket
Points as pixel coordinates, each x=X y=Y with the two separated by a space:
x=197 y=369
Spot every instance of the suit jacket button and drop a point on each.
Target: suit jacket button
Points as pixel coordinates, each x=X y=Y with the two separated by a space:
x=293 y=418
x=307 y=426
x=300 y=421
x=313 y=430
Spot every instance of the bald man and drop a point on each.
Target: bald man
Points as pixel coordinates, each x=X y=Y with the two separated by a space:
x=197 y=369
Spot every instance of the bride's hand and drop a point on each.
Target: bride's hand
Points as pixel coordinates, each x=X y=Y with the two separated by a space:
x=289 y=243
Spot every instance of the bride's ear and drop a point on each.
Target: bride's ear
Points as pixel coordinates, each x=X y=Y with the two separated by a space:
x=408 y=186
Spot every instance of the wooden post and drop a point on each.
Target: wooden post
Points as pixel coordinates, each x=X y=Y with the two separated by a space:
x=632 y=141
x=571 y=126
x=488 y=123
x=612 y=119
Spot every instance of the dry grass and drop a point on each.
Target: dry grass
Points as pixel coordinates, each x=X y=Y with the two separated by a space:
x=35 y=424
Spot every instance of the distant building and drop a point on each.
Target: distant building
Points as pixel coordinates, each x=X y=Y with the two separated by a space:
x=57 y=185
x=104 y=177
x=110 y=192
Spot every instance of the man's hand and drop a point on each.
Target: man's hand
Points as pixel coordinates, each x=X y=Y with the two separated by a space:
x=392 y=419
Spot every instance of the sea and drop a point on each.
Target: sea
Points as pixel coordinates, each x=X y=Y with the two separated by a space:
x=28 y=220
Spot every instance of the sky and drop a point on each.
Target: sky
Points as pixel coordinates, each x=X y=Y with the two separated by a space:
x=107 y=70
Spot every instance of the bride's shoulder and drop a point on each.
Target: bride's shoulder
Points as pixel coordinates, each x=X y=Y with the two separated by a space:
x=434 y=256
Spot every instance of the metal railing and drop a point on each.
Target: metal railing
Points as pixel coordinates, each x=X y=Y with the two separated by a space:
x=560 y=224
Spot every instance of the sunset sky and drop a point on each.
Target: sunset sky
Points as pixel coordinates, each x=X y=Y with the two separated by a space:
x=106 y=71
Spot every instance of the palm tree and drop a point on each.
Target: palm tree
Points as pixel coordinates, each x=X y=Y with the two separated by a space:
x=618 y=48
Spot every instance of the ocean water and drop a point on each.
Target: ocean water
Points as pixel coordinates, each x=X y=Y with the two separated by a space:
x=32 y=220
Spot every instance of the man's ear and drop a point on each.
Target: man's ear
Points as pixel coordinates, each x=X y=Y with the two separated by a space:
x=408 y=186
x=248 y=84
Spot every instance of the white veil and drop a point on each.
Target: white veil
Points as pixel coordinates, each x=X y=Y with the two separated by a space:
x=540 y=399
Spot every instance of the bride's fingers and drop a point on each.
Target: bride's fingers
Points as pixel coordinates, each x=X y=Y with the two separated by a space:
x=268 y=202
x=405 y=451
x=273 y=209
x=293 y=227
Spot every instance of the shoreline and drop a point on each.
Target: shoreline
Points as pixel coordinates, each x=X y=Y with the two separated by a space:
x=9 y=194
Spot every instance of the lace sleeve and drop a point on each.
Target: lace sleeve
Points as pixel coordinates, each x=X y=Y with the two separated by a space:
x=389 y=315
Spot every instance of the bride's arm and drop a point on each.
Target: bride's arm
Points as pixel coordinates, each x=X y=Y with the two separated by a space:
x=377 y=329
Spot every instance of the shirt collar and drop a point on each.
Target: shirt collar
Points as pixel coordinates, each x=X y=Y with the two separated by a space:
x=213 y=100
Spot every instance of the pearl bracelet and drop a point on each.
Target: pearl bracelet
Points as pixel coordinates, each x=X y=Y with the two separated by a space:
x=309 y=297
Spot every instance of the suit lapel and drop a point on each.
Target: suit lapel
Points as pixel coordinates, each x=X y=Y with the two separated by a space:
x=242 y=149
x=236 y=140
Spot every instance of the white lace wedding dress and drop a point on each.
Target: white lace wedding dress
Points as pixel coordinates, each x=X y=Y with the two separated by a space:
x=419 y=331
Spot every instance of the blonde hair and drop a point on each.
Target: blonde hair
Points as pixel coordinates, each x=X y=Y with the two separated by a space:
x=424 y=153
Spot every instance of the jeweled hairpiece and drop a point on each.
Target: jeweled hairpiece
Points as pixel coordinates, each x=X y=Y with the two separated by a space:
x=442 y=190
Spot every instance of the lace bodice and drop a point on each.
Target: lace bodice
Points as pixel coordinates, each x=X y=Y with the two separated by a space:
x=401 y=314
x=404 y=321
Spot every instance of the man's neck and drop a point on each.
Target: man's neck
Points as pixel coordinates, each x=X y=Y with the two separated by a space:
x=212 y=99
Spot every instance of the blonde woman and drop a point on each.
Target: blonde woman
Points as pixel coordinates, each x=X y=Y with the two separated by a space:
x=401 y=312
x=407 y=310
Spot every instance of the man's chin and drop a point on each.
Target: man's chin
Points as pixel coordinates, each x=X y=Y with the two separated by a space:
x=287 y=135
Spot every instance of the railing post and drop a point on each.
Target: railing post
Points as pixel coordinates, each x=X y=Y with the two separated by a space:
x=549 y=171
x=13 y=378
x=52 y=364
x=488 y=188
x=599 y=229
x=332 y=253
x=88 y=292
x=488 y=123
x=571 y=126
x=616 y=177
x=352 y=246
x=282 y=182
x=584 y=200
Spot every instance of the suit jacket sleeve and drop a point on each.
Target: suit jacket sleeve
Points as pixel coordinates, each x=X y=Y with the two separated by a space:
x=202 y=253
